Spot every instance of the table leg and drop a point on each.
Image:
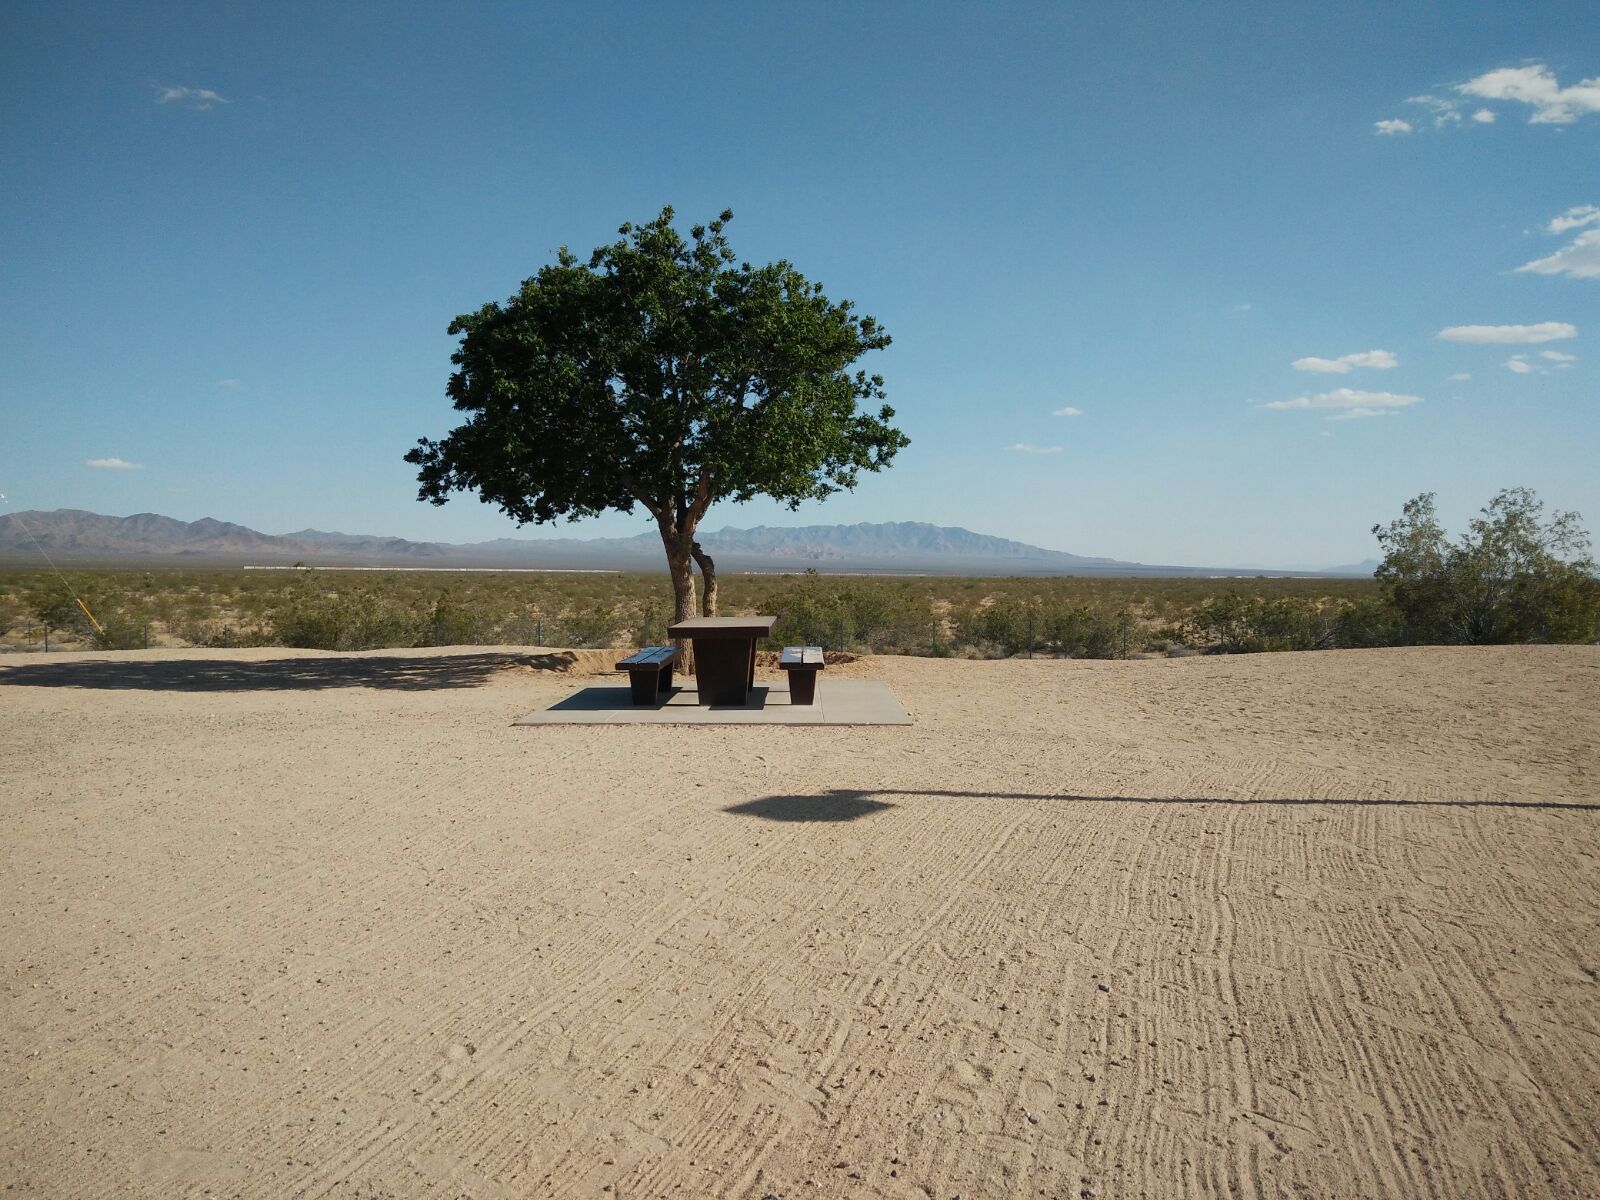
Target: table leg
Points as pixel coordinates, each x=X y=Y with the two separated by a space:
x=722 y=670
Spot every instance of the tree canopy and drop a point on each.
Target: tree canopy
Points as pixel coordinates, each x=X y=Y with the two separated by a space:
x=1514 y=576
x=662 y=373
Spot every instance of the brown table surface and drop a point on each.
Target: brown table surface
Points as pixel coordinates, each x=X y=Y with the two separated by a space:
x=723 y=627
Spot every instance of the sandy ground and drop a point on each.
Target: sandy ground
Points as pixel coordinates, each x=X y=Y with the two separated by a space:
x=280 y=924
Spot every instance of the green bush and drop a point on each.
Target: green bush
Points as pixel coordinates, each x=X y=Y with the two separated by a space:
x=1237 y=624
x=594 y=626
x=1514 y=576
x=875 y=617
x=355 y=620
x=1078 y=631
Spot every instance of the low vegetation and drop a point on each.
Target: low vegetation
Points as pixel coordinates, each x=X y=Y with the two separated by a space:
x=1515 y=576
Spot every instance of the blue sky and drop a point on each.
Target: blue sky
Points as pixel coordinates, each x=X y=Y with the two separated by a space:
x=1222 y=245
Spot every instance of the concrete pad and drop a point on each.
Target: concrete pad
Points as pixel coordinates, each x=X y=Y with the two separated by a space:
x=839 y=702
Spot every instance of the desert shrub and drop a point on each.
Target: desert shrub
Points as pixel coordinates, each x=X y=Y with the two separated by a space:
x=229 y=637
x=12 y=612
x=119 y=631
x=593 y=626
x=1237 y=624
x=647 y=625
x=971 y=617
x=51 y=603
x=1006 y=626
x=450 y=620
x=1079 y=631
x=1165 y=638
x=1292 y=623
x=1366 y=623
x=353 y=620
x=1223 y=624
x=851 y=615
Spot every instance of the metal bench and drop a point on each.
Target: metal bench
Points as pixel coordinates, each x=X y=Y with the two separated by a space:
x=650 y=672
x=802 y=664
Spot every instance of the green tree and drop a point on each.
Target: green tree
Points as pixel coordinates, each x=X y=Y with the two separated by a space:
x=1514 y=576
x=661 y=373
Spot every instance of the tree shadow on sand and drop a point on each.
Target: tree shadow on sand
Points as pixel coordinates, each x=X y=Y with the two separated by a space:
x=849 y=804
x=408 y=673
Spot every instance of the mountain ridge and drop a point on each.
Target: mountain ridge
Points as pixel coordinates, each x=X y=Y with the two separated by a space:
x=83 y=537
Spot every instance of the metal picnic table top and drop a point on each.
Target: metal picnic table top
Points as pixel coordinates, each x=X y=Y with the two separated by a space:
x=723 y=627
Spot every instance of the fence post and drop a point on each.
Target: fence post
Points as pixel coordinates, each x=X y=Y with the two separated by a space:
x=1030 y=633
x=146 y=635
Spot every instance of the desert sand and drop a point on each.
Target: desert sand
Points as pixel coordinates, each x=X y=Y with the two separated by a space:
x=283 y=924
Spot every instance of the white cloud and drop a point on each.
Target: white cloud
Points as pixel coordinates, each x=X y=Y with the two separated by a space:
x=1394 y=126
x=1349 y=404
x=1575 y=217
x=1519 y=363
x=1483 y=117
x=1026 y=448
x=199 y=99
x=1381 y=359
x=1579 y=258
x=1460 y=377
x=1068 y=411
x=1501 y=335
x=1557 y=356
x=112 y=464
x=1536 y=85
x=227 y=383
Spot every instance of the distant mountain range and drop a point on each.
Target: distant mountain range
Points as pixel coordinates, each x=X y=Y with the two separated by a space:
x=74 y=536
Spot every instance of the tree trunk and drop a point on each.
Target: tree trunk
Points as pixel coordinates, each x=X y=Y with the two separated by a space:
x=708 y=576
x=681 y=566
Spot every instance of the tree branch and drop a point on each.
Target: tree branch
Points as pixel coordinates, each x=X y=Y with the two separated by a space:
x=634 y=486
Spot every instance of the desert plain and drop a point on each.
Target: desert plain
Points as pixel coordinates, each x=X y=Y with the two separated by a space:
x=280 y=923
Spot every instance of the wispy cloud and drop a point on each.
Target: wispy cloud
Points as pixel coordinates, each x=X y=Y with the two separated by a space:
x=1533 y=84
x=1345 y=363
x=1460 y=377
x=1548 y=360
x=1536 y=85
x=1068 y=411
x=112 y=464
x=1575 y=217
x=1028 y=448
x=227 y=383
x=199 y=99
x=1445 y=111
x=1506 y=335
x=1579 y=258
x=1349 y=404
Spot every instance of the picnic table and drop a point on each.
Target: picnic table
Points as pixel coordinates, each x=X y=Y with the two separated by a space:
x=724 y=655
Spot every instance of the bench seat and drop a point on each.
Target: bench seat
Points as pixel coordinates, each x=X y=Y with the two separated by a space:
x=801 y=664
x=650 y=672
